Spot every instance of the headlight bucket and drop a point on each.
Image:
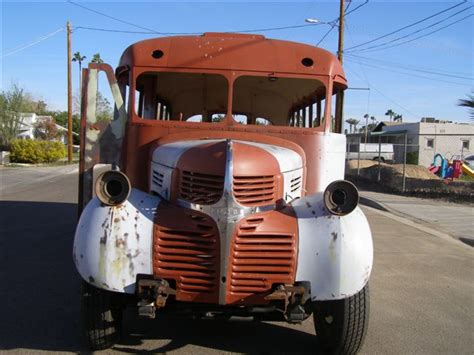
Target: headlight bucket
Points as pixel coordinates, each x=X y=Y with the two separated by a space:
x=341 y=197
x=112 y=188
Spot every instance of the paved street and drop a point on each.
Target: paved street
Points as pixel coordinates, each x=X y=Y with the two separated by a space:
x=422 y=289
x=454 y=219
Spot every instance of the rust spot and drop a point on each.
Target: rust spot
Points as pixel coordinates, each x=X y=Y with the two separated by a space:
x=334 y=236
x=91 y=279
x=125 y=235
x=313 y=212
x=104 y=284
x=308 y=204
x=137 y=235
x=119 y=243
x=82 y=256
x=116 y=220
x=123 y=218
x=103 y=240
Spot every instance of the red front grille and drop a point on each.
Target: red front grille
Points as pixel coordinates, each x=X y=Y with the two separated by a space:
x=204 y=189
x=254 y=190
x=263 y=253
x=186 y=249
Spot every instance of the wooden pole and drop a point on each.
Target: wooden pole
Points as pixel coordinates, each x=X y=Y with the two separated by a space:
x=69 y=94
x=340 y=94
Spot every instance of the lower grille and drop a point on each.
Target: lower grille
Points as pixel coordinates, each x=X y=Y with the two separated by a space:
x=186 y=249
x=263 y=253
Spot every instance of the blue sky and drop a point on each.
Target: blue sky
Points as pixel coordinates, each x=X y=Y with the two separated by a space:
x=415 y=93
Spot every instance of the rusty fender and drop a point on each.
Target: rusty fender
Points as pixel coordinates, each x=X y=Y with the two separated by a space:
x=335 y=253
x=114 y=244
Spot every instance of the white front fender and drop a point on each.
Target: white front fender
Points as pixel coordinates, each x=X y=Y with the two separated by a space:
x=335 y=253
x=112 y=245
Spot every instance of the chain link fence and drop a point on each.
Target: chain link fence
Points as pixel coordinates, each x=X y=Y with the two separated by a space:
x=404 y=154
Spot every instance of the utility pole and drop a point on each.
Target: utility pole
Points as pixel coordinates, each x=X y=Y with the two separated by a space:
x=69 y=94
x=340 y=50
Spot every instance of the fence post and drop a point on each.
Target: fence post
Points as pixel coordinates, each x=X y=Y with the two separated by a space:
x=358 y=157
x=404 y=163
x=380 y=167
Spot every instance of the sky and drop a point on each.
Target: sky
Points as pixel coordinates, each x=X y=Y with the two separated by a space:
x=423 y=78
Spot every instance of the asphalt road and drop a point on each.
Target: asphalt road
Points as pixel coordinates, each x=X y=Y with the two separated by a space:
x=422 y=289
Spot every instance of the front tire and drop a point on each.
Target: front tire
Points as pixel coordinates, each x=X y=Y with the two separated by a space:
x=101 y=316
x=341 y=325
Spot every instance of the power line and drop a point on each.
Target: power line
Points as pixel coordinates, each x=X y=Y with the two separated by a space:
x=371 y=86
x=409 y=74
x=407 y=26
x=126 y=22
x=152 y=31
x=355 y=8
x=413 y=68
x=28 y=45
x=422 y=36
x=334 y=22
x=411 y=33
x=325 y=35
x=112 y=30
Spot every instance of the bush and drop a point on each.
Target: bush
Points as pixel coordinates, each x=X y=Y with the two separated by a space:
x=412 y=158
x=31 y=151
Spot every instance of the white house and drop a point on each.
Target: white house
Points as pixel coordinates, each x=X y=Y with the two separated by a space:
x=430 y=137
x=28 y=124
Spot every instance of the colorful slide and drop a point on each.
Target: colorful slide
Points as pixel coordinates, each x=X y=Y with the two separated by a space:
x=467 y=170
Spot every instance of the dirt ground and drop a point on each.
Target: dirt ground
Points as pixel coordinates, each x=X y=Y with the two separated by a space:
x=419 y=181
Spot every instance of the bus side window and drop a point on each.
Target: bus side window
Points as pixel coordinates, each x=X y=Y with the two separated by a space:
x=309 y=115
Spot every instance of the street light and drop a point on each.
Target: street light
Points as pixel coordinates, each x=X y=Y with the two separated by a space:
x=312 y=20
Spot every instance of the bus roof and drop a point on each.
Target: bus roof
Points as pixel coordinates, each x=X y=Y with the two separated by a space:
x=232 y=51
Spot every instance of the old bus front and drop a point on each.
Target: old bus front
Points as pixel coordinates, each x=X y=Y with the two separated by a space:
x=217 y=190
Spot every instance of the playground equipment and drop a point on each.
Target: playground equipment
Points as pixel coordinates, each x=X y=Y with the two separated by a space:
x=467 y=170
x=446 y=169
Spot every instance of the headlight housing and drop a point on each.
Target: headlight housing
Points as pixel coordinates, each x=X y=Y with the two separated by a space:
x=112 y=188
x=341 y=197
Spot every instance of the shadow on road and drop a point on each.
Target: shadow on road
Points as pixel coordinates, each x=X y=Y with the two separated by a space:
x=39 y=287
x=224 y=336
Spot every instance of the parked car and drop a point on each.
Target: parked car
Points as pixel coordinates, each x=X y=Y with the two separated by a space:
x=370 y=151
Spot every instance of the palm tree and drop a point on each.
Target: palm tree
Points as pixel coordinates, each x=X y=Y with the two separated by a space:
x=469 y=102
x=97 y=59
x=366 y=129
x=398 y=118
x=352 y=122
x=390 y=113
x=79 y=58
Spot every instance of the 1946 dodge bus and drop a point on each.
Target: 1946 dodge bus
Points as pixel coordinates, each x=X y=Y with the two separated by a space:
x=217 y=190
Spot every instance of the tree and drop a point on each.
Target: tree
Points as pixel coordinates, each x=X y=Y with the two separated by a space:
x=104 y=109
x=60 y=117
x=97 y=59
x=390 y=113
x=46 y=130
x=352 y=122
x=469 y=102
x=398 y=118
x=12 y=103
x=79 y=58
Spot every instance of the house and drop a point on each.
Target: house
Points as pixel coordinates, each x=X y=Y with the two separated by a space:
x=427 y=138
x=28 y=126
